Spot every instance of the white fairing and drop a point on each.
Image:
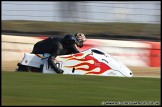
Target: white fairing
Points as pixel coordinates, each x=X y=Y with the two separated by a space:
x=117 y=68
x=89 y=62
x=34 y=60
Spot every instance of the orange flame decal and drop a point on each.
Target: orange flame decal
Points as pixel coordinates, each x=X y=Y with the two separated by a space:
x=73 y=57
x=89 y=61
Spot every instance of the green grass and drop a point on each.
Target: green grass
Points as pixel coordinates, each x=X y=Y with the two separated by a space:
x=136 y=29
x=24 y=88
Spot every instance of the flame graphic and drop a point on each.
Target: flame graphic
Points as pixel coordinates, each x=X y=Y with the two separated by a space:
x=74 y=57
x=91 y=63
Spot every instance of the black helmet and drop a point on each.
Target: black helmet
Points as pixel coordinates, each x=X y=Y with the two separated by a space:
x=69 y=39
x=80 y=37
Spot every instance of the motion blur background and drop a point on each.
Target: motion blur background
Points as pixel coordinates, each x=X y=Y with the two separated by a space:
x=128 y=30
x=83 y=11
x=107 y=17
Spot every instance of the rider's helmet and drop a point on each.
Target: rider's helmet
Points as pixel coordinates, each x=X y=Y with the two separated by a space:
x=80 y=37
x=69 y=39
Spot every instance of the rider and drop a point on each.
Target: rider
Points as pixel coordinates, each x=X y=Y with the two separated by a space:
x=59 y=46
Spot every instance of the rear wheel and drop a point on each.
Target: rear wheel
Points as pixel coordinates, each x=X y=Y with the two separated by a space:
x=23 y=68
x=34 y=69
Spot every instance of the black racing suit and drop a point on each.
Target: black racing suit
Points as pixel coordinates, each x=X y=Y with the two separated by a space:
x=54 y=46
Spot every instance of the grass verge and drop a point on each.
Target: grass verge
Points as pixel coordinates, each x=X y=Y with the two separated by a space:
x=24 y=88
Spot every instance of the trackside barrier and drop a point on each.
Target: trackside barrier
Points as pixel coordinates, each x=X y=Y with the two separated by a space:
x=131 y=53
x=155 y=55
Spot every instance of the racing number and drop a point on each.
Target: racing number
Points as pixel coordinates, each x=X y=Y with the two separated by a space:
x=58 y=65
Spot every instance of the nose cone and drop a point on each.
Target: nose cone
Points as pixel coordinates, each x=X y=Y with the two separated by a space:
x=126 y=71
x=129 y=74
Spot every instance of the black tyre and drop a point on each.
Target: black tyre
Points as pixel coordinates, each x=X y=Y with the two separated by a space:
x=22 y=68
x=33 y=69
